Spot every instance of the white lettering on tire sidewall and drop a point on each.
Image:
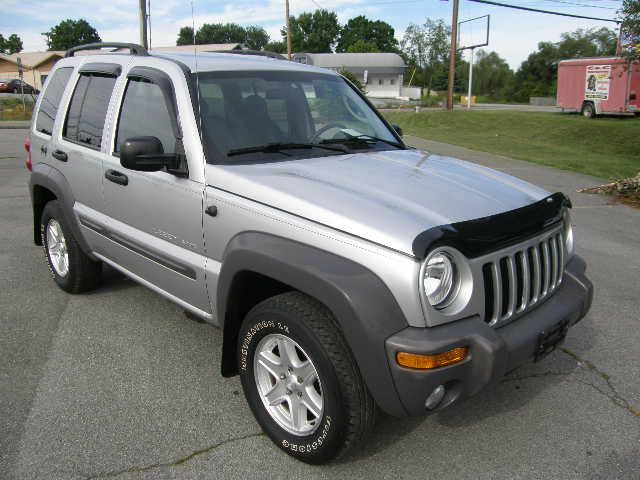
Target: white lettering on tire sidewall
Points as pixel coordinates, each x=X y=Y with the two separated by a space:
x=311 y=445
x=250 y=335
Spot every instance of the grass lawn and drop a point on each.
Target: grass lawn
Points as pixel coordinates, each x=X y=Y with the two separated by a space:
x=603 y=147
x=12 y=109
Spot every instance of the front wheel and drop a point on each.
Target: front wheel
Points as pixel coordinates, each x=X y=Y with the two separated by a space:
x=588 y=110
x=300 y=379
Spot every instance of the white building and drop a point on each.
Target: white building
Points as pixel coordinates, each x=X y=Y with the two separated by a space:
x=381 y=73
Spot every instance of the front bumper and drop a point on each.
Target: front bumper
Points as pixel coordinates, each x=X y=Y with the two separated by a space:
x=493 y=352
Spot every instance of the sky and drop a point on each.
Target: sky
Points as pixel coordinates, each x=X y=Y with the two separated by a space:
x=513 y=34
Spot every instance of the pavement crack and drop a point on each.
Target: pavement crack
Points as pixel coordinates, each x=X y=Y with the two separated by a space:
x=174 y=463
x=611 y=392
x=548 y=373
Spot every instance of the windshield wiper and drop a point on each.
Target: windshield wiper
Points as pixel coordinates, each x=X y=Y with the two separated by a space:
x=279 y=147
x=362 y=140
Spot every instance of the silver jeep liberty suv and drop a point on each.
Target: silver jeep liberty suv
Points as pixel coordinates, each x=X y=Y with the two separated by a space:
x=347 y=272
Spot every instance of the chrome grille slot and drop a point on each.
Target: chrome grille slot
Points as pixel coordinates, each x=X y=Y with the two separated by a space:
x=519 y=278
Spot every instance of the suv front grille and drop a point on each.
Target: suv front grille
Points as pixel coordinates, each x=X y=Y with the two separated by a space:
x=516 y=281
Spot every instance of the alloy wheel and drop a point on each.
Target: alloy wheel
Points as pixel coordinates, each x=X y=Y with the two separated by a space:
x=288 y=384
x=57 y=248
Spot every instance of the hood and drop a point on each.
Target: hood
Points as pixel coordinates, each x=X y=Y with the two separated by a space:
x=386 y=197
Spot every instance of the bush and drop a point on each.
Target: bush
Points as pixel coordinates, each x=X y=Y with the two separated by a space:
x=353 y=79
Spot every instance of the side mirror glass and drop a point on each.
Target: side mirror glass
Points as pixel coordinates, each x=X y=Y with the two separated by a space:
x=145 y=154
x=398 y=129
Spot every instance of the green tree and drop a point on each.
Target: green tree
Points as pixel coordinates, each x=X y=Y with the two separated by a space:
x=277 y=47
x=353 y=79
x=426 y=48
x=313 y=32
x=70 y=33
x=255 y=38
x=491 y=75
x=362 y=46
x=537 y=75
x=10 y=45
x=631 y=27
x=185 y=36
x=373 y=32
x=220 y=33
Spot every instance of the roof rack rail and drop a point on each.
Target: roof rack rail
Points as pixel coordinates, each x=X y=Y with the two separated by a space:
x=134 y=49
x=261 y=53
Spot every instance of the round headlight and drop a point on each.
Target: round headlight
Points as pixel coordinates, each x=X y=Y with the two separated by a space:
x=440 y=279
x=568 y=236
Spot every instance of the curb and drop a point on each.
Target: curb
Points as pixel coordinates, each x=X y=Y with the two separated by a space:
x=14 y=125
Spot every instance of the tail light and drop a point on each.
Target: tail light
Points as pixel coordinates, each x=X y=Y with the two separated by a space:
x=632 y=96
x=27 y=147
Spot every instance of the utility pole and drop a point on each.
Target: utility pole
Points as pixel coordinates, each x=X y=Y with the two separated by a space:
x=452 y=54
x=143 y=23
x=288 y=29
x=619 y=44
x=470 y=79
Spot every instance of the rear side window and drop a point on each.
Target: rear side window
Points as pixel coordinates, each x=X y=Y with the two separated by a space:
x=144 y=113
x=88 y=110
x=51 y=100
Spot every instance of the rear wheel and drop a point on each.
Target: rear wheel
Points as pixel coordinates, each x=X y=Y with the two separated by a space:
x=70 y=267
x=301 y=380
x=588 y=110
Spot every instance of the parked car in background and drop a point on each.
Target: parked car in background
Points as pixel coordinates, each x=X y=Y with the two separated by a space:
x=16 y=85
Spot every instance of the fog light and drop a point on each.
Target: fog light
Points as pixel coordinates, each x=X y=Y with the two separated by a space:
x=426 y=362
x=435 y=398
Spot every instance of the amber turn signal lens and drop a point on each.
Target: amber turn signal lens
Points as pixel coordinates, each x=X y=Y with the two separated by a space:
x=427 y=362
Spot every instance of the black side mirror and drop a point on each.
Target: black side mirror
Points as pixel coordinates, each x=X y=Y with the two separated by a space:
x=398 y=129
x=146 y=154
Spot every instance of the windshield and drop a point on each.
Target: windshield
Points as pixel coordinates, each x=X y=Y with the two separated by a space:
x=272 y=115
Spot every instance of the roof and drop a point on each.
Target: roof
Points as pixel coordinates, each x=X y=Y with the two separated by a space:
x=207 y=61
x=31 y=59
x=594 y=60
x=354 y=60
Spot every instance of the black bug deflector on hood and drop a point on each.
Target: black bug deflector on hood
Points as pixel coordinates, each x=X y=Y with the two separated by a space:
x=477 y=237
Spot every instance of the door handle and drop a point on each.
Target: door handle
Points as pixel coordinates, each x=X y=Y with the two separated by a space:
x=116 y=177
x=59 y=155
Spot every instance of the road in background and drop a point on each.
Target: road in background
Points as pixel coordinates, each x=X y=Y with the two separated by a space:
x=119 y=383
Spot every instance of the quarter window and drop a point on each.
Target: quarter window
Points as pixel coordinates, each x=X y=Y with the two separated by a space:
x=144 y=113
x=88 y=110
x=51 y=100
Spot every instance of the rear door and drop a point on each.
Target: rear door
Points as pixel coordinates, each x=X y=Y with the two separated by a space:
x=76 y=151
x=46 y=114
x=155 y=218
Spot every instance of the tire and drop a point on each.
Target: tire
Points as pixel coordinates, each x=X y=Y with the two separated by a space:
x=347 y=410
x=81 y=273
x=588 y=110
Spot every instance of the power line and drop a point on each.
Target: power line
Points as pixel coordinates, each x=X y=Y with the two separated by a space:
x=537 y=10
x=581 y=4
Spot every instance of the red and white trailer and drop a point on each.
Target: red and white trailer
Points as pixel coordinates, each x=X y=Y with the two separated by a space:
x=595 y=86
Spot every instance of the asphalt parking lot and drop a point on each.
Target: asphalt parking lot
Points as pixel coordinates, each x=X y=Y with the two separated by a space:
x=120 y=384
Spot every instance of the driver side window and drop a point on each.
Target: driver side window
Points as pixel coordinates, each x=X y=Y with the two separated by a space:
x=144 y=113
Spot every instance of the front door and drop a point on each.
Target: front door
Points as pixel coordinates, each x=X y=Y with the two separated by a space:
x=155 y=218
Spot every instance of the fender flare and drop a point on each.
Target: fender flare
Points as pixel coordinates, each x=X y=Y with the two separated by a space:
x=52 y=179
x=361 y=303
